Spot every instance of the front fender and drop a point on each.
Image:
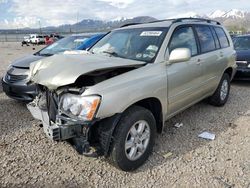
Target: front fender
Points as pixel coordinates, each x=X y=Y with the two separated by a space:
x=120 y=92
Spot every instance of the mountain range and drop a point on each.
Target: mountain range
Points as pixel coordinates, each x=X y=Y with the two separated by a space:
x=234 y=20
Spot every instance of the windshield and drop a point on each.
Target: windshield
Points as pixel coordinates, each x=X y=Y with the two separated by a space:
x=140 y=44
x=242 y=43
x=67 y=43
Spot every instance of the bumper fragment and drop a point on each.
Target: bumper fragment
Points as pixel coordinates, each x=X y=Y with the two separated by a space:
x=54 y=131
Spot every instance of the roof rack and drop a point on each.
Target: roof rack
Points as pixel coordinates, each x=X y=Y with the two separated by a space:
x=129 y=24
x=197 y=20
x=177 y=20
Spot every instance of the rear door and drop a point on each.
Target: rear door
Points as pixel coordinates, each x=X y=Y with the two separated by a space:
x=183 y=77
x=210 y=57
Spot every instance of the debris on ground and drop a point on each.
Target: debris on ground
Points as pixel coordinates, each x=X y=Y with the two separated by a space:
x=167 y=155
x=223 y=182
x=207 y=135
x=178 y=125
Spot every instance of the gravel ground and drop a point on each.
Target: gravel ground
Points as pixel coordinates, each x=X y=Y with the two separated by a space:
x=180 y=158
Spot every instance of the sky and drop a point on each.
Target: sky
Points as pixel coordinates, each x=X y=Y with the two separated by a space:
x=28 y=13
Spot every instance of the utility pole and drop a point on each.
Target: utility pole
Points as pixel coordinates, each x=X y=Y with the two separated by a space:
x=77 y=15
x=40 y=27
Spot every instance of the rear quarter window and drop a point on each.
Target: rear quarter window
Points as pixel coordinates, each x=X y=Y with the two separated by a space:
x=224 y=42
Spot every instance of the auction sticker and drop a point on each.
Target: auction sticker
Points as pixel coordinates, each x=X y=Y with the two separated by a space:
x=151 y=33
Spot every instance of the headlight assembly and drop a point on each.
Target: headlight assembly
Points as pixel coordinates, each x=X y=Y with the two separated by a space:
x=82 y=107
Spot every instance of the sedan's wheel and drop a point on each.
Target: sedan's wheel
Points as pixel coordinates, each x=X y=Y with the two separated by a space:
x=133 y=138
x=221 y=94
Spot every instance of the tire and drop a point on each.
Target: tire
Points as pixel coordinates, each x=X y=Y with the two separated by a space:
x=220 y=97
x=133 y=117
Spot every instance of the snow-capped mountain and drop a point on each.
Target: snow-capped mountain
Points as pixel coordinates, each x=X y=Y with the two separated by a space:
x=216 y=14
x=233 y=13
x=233 y=19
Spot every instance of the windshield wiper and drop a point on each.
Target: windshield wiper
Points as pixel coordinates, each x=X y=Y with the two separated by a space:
x=46 y=54
x=113 y=53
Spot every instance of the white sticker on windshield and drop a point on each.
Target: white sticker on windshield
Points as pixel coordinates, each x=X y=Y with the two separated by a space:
x=151 y=33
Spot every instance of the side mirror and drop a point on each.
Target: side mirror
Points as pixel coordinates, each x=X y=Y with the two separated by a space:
x=180 y=55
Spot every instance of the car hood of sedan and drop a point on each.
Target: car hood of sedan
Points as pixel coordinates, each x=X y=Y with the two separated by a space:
x=24 y=62
x=62 y=69
x=243 y=55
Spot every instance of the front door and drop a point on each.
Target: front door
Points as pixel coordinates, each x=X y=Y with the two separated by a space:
x=183 y=77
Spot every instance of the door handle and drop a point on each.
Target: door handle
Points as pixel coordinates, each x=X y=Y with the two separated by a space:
x=221 y=54
x=198 y=62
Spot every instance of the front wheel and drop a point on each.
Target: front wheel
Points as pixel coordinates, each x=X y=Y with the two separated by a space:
x=220 y=97
x=133 y=138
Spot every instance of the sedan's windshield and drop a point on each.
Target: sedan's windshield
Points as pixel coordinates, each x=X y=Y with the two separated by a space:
x=67 y=43
x=242 y=43
x=140 y=44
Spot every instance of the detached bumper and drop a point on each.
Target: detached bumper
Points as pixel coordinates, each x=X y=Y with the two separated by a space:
x=54 y=131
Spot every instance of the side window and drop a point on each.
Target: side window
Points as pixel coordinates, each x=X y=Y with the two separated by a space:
x=222 y=37
x=184 y=38
x=217 y=43
x=206 y=38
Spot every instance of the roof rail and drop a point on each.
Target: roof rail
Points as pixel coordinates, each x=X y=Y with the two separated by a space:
x=197 y=20
x=129 y=24
x=176 y=20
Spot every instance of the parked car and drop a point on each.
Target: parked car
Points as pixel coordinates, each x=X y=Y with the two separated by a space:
x=115 y=98
x=26 y=40
x=52 y=38
x=16 y=81
x=36 y=39
x=242 y=47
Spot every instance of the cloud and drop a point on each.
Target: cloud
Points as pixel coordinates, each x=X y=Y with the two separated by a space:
x=119 y=3
x=20 y=22
x=57 y=12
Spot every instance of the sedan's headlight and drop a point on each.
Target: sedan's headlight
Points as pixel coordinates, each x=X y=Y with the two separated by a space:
x=82 y=107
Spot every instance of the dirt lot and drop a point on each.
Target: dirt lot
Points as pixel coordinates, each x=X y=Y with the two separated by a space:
x=28 y=158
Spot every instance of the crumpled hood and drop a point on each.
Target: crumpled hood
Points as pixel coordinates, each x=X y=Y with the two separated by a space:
x=63 y=69
x=24 y=62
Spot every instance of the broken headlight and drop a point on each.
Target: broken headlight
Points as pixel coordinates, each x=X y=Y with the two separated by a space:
x=83 y=107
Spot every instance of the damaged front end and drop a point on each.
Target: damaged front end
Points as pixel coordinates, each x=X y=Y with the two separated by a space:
x=66 y=112
x=60 y=124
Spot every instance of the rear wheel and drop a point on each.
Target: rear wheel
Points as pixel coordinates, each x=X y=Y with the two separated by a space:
x=220 y=97
x=133 y=138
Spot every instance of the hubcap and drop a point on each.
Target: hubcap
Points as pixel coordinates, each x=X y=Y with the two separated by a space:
x=224 y=90
x=137 y=140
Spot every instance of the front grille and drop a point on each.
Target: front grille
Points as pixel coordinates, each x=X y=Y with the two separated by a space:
x=15 y=78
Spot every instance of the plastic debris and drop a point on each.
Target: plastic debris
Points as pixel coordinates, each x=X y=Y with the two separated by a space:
x=178 y=125
x=207 y=135
x=167 y=155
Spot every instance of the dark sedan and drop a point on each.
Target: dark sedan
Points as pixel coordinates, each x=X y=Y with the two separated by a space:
x=242 y=47
x=16 y=81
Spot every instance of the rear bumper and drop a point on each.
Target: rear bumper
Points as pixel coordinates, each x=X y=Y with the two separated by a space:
x=242 y=74
x=20 y=91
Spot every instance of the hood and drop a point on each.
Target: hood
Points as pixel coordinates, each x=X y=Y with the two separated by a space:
x=24 y=62
x=62 y=69
x=243 y=55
